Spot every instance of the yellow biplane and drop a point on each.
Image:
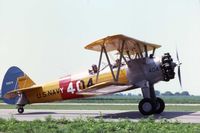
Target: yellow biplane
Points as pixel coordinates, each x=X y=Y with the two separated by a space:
x=135 y=67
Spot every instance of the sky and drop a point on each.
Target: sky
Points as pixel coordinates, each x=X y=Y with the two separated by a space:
x=46 y=38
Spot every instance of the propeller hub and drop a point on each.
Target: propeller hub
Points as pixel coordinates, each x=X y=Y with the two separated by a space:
x=178 y=64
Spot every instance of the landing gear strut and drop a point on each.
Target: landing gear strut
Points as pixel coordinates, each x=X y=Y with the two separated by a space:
x=150 y=104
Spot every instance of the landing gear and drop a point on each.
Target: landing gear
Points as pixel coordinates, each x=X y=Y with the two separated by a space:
x=147 y=106
x=150 y=104
x=21 y=102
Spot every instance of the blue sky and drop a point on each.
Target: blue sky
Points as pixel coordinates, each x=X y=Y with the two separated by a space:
x=46 y=38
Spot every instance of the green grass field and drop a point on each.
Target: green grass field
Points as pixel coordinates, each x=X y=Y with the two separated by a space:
x=95 y=126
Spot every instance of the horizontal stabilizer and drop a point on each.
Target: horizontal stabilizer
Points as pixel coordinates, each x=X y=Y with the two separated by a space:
x=15 y=93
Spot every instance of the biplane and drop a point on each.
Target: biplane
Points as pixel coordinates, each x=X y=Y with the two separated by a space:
x=135 y=67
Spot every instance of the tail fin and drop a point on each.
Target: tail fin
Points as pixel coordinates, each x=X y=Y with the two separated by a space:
x=14 y=79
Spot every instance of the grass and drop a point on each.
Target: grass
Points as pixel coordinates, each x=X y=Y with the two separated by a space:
x=102 y=107
x=98 y=126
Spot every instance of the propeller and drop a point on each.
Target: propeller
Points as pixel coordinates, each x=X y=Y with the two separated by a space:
x=179 y=68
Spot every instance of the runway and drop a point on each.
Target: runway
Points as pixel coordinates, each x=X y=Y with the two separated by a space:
x=110 y=115
x=136 y=104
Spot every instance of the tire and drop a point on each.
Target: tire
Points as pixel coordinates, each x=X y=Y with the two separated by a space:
x=160 y=106
x=146 y=106
x=20 y=110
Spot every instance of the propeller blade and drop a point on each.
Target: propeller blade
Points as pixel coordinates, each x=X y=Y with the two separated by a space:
x=179 y=68
x=177 y=56
x=179 y=75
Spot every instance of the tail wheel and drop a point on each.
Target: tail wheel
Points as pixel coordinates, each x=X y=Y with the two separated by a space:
x=20 y=110
x=146 y=106
x=160 y=106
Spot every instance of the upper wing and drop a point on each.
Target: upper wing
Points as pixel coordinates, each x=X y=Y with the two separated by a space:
x=112 y=43
x=104 y=88
x=15 y=93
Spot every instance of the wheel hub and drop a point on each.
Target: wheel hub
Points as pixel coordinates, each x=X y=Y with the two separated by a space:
x=147 y=107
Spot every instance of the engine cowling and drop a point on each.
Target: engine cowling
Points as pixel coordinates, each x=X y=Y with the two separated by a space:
x=167 y=67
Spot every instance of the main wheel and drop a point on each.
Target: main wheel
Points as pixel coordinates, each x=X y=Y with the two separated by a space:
x=160 y=106
x=20 y=110
x=146 y=106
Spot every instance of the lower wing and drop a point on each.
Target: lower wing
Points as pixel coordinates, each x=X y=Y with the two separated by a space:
x=104 y=88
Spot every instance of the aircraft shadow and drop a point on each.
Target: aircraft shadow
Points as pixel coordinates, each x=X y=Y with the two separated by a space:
x=136 y=115
x=37 y=113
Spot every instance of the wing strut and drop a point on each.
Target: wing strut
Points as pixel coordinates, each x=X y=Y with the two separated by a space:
x=153 y=51
x=125 y=59
x=103 y=50
x=99 y=65
x=139 y=50
x=120 y=60
x=103 y=47
x=146 y=52
x=129 y=56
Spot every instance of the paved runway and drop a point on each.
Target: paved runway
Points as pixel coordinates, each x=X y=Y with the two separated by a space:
x=136 y=104
x=30 y=114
